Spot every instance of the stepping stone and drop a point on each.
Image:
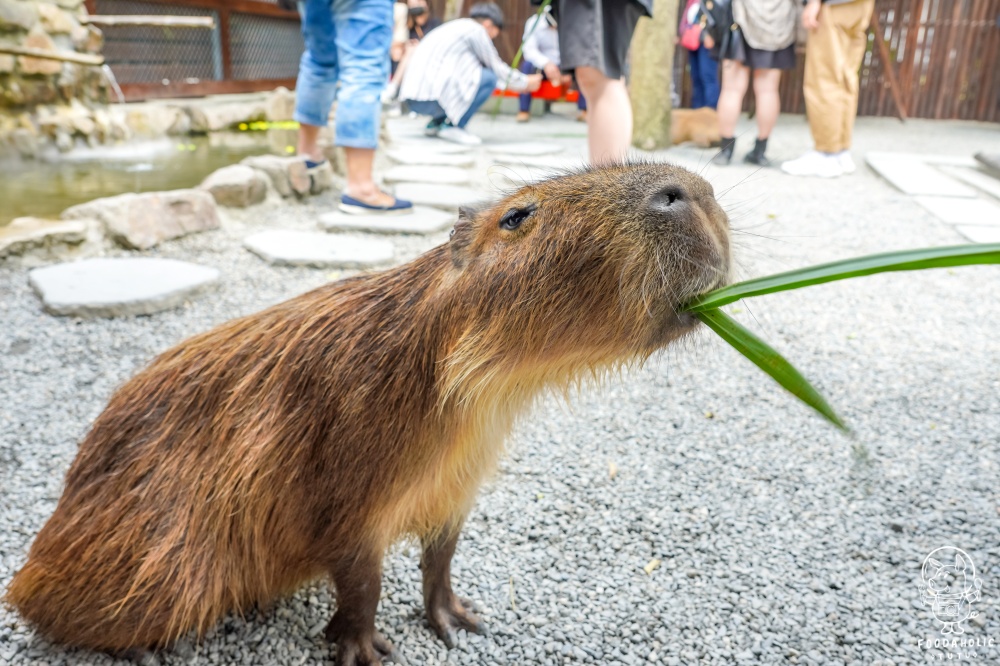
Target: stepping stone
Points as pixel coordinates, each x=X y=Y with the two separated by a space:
x=978 y=179
x=524 y=148
x=438 y=175
x=552 y=162
x=283 y=247
x=974 y=212
x=413 y=156
x=431 y=145
x=990 y=161
x=912 y=177
x=421 y=221
x=118 y=287
x=980 y=234
x=448 y=197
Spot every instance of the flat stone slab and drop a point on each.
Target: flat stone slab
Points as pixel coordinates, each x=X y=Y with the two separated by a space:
x=916 y=178
x=421 y=221
x=284 y=247
x=980 y=234
x=430 y=144
x=439 y=175
x=980 y=180
x=448 y=197
x=991 y=161
x=975 y=212
x=527 y=148
x=414 y=156
x=549 y=162
x=115 y=287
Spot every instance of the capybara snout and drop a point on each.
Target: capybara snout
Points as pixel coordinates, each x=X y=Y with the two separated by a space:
x=302 y=441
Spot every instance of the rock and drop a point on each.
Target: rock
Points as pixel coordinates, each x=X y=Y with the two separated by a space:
x=223 y=115
x=449 y=197
x=28 y=233
x=54 y=20
x=321 y=178
x=413 y=156
x=118 y=287
x=89 y=39
x=69 y=4
x=25 y=142
x=153 y=120
x=528 y=148
x=280 y=105
x=288 y=174
x=439 y=175
x=237 y=186
x=37 y=39
x=141 y=221
x=64 y=142
x=306 y=248
x=6 y=63
x=421 y=221
x=16 y=15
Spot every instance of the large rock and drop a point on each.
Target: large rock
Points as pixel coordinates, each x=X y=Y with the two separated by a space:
x=141 y=221
x=54 y=20
x=420 y=220
x=38 y=39
x=438 y=175
x=280 y=105
x=288 y=174
x=29 y=233
x=224 y=115
x=237 y=186
x=116 y=287
x=17 y=15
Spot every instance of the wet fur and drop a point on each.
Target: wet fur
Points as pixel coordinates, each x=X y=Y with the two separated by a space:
x=255 y=457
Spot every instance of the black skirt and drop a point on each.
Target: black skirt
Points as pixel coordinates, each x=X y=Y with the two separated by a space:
x=736 y=48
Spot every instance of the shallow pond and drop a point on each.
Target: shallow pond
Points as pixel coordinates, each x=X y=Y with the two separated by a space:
x=46 y=187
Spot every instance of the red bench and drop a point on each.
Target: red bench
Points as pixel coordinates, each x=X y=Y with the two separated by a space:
x=546 y=91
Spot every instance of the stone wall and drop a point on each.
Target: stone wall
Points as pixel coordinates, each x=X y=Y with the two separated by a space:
x=47 y=102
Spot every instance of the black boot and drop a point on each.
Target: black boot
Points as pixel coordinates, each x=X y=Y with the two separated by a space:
x=756 y=156
x=725 y=154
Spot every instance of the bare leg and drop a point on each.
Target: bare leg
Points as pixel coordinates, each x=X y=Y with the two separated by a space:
x=765 y=89
x=308 y=146
x=445 y=611
x=609 y=115
x=359 y=582
x=360 y=183
x=735 y=79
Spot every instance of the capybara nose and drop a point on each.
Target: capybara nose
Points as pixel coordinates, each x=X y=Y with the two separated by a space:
x=668 y=199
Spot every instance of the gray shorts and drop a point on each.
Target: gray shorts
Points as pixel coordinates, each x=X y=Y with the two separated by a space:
x=597 y=33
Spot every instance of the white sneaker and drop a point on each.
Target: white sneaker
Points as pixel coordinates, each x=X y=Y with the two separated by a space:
x=459 y=135
x=814 y=163
x=846 y=161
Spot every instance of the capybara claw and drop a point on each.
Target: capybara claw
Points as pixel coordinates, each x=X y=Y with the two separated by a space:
x=366 y=651
x=448 y=617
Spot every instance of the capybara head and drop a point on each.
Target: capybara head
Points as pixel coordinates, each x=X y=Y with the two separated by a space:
x=590 y=268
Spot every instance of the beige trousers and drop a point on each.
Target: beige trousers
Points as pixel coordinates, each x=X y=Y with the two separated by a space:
x=833 y=57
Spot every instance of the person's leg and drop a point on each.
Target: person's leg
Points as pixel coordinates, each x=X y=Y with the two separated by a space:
x=609 y=115
x=824 y=92
x=428 y=108
x=524 y=99
x=765 y=90
x=363 y=37
x=735 y=79
x=697 y=87
x=316 y=87
x=854 y=19
x=487 y=84
x=708 y=67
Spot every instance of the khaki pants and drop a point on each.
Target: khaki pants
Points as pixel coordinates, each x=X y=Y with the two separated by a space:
x=833 y=57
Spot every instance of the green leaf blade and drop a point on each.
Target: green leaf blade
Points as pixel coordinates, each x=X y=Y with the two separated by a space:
x=770 y=361
x=906 y=260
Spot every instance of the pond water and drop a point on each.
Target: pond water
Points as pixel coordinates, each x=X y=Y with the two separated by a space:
x=46 y=187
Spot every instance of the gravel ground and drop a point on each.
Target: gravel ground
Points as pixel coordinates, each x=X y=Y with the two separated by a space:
x=777 y=539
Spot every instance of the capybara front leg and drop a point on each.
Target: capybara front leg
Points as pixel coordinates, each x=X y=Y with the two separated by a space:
x=446 y=612
x=359 y=582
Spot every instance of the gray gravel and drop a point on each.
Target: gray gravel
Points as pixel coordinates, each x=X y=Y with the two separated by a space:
x=778 y=539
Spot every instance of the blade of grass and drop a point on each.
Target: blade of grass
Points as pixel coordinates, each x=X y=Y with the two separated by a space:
x=520 y=50
x=770 y=361
x=906 y=260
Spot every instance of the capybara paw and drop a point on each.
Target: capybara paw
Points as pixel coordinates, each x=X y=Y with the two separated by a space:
x=452 y=614
x=362 y=650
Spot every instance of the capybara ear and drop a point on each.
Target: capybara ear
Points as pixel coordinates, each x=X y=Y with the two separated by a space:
x=461 y=236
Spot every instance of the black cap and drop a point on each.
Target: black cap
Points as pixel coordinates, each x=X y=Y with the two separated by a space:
x=488 y=10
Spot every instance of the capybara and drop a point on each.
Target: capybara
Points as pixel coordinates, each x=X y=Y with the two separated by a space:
x=700 y=126
x=302 y=441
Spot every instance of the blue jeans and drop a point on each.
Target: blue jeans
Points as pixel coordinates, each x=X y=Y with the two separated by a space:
x=487 y=83
x=704 y=78
x=346 y=58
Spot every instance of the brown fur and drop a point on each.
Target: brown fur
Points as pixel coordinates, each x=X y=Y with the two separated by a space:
x=700 y=126
x=303 y=440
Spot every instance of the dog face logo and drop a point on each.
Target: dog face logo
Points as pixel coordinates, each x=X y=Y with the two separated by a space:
x=950 y=586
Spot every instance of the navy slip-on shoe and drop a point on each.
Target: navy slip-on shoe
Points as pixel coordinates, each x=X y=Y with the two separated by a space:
x=349 y=204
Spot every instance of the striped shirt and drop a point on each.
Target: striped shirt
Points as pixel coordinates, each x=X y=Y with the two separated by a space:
x=446 y=65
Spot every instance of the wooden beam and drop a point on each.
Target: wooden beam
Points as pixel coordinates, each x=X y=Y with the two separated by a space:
x=203 y=22
x=887 y=65
x=141 y=91
x=61 y=56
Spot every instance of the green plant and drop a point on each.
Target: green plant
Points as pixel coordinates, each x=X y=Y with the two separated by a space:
x=706 y=307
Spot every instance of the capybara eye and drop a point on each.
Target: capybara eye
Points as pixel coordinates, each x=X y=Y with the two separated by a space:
x=513 y=218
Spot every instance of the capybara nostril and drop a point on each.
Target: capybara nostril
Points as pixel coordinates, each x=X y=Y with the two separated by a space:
x=667 y=199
